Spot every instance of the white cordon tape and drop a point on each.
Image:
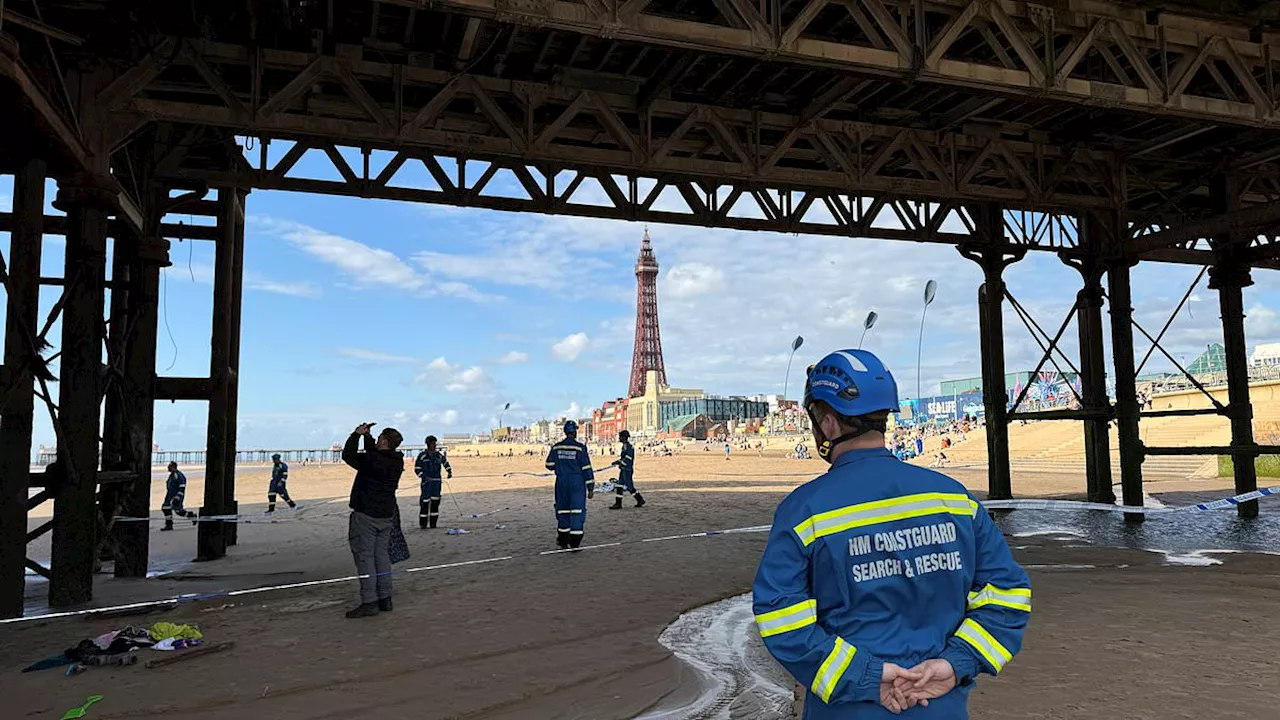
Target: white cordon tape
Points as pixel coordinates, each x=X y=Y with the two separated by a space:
x=1072 y=505
x=211 y=518
x=193 y=597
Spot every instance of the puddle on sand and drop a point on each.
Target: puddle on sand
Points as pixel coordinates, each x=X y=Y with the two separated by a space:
x=737 y=678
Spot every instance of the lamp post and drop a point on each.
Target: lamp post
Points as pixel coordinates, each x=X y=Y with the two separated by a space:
x=503 y=412
x=795 y=345
x=867 y=324
x=930 y=290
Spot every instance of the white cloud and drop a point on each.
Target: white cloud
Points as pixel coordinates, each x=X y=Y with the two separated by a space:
x=573 y=412
x=453 y=377
x=514 y=357
x=691 y=279
x=571 y=347
x=295 y=289
x=363 y=265
x=465 y=380
x=375 y=356
x=448 y=418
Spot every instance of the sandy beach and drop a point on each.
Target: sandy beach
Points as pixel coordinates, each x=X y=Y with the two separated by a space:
x=532 y=635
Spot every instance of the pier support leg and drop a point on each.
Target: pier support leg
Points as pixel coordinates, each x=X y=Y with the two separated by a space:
x=86 y=201
x=17 y=403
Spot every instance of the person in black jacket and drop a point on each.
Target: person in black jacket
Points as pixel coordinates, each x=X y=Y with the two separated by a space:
x=373 y=514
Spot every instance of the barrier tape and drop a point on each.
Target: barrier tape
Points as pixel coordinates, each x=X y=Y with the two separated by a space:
x=196 y=597
x=1073 y=505
x=1054 y=505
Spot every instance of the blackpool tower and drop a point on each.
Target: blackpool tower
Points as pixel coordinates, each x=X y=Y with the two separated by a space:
x=647 y=354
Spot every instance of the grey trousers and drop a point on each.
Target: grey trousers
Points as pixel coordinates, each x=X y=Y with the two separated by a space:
x=369 y=538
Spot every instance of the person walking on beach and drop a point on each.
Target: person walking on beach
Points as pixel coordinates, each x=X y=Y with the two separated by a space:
x=175 y=489
x=883 y=585
x=626 y=464
x=373 y=513
x=575 y=484
x=427 y=467
x=279 y=484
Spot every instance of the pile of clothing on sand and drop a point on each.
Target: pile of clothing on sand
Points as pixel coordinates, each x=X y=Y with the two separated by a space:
x=120 y=647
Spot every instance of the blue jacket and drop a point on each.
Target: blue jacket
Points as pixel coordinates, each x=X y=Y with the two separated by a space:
x=568 y=458
x=428 y=464
x=626 y=462
x=279 y=472
x=879 y=561
x=175 y=486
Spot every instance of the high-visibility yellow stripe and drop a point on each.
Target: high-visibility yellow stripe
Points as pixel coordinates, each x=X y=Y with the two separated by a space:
x=832 y=669
x=1013 y=598
x=793 y=617
x=986 y=645
x=882 y=511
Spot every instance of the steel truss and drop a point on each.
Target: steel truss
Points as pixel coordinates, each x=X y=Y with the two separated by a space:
x=1107 y=54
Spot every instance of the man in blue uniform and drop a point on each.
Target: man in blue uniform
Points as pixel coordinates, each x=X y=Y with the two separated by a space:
x=279 y=484
x=883 y=585
x=175 y=489
x=575 y=484
x=427 y=468
x=626 y=464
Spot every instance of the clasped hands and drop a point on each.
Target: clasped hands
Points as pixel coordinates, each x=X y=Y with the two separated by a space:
x=901 y=689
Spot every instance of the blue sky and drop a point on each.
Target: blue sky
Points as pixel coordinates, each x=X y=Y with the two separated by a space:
x=430 y=318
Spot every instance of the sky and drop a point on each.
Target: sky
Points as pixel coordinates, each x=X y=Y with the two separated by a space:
x=431 y=318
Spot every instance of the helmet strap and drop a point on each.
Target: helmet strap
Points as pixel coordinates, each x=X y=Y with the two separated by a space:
x=859 y=426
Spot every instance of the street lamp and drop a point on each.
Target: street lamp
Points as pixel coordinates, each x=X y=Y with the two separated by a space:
x=795 y=345
x=930 y=289
x=503 y=412
x=867 y=324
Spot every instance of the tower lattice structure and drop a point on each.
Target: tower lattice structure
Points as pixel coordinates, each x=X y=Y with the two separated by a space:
x=647 y=354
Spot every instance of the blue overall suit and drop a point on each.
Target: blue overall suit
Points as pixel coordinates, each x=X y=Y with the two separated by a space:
x=574 y=480
x=879 y=561
x=175 y=490
x=279 y=485
x=427 y=468
x=626 y=464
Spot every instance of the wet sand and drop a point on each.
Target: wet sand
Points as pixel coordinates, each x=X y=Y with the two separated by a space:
x=1117 y=632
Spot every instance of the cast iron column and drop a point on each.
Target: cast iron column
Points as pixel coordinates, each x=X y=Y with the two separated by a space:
x=1230 y=281
x=1230 y=276
x=137 y=408
x=994 y=256
x=17 y=404
x=1093 y=377
x=233 y=358
x=86 y=201
x=1127 y=408
x=219 y=483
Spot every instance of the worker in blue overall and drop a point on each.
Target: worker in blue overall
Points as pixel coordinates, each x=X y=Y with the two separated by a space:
x=279 y=484
x=575 y=484
x=427 y=467
x=175 y=489
x=884 y=586
x=626 y=464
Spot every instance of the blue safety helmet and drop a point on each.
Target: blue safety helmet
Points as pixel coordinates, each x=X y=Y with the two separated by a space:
x=571 y=428
x=276 y=456
x=853 y=383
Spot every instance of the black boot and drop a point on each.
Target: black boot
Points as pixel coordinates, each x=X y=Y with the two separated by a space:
x=639 y=500
x=363 y=611
x=384 y=605
x=168 y=524
x=424 y=510
x=575 y=541
x=617 y=503
x=292 y=504
x=562 y=539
